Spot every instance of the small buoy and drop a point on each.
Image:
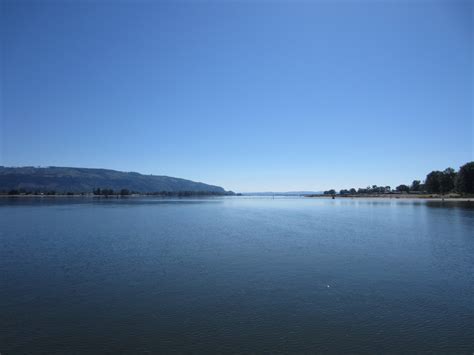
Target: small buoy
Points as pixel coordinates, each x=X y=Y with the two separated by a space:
x=327 y=286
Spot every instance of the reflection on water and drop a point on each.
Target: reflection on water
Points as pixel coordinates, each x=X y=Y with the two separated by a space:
x=236 y=275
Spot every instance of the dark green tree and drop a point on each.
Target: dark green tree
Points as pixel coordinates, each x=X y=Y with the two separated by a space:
x=447 y=179
x=433 y=182
x=124 y=192
x=465 y=179
x=415 y=185
x=440 y=181
x=403 y=188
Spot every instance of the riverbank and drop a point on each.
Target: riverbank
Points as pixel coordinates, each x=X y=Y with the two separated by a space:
x=430 y=197
x=92 y=196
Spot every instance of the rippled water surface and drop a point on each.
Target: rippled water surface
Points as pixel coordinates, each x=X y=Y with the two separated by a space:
x=236 y=275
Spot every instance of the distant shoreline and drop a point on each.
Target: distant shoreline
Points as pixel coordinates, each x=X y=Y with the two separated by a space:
x=379 y=197
x=106 y=197
x=398 y=197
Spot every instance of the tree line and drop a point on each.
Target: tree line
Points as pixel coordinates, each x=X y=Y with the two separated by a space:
x=106 y=192
x=23 y=191
x=436 y=182
x=126 y=192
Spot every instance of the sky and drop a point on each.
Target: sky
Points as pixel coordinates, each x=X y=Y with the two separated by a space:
x=250 y=95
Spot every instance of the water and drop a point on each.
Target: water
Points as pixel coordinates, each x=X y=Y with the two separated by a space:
x=236 y=275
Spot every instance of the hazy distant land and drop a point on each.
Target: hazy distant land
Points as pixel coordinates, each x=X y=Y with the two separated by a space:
x=71 y=181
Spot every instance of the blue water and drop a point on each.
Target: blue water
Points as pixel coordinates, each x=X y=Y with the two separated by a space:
x=236 y=275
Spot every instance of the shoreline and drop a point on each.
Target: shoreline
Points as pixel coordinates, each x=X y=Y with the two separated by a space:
x=398 y=197
x=108 y=197
x=378 y=197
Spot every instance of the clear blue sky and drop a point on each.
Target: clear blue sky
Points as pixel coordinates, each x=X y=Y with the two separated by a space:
x=249 y=95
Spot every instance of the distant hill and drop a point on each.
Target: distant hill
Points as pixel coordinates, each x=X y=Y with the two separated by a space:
x=78 y=180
